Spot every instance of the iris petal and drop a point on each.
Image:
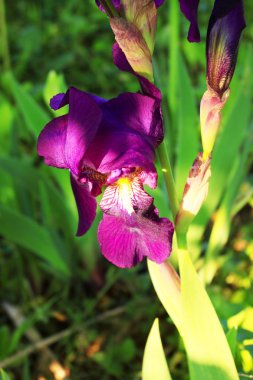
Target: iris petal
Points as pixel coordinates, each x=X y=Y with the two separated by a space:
x=138 y=112
x=51 y=142
x=86 y=205
x=125 y=240
x=190 y=9
x=125 y=195
x=64 y=141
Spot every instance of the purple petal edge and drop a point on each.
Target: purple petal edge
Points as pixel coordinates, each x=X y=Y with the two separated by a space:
x=86 y=206
x=190 y=10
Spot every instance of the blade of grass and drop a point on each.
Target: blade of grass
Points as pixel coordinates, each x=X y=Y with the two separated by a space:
x=188 y=130
x=28 y=234
x=154 y=362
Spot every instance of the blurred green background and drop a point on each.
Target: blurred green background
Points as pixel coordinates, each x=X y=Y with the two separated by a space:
x=65 y=312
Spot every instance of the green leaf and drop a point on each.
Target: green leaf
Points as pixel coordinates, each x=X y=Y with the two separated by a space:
x=55 y=84
x=232 y=340
x=167 y=286
x=25 y=175
x=188 y=128
x=221 y=228
x=208 y=352
x=35 y=117
x=154 y=362
x=25 y=232
x=3 y=375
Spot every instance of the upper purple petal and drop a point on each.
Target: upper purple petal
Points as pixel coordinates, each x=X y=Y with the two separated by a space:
x=224 y=31
x=86 y=205
x=190 y=9
x=137 y=112
x=127 y=136
x=64 y=140
x=83 y=122
x=125 y=240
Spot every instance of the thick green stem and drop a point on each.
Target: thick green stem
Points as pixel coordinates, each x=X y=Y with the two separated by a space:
x=168 y=178
x=3 y=38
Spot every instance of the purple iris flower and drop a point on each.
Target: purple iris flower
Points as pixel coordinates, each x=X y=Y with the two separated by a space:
x=110 y=143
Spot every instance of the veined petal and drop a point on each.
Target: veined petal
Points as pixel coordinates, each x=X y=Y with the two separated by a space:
x=126 y=240
x=190 y=9
x=51 y=142
x=125 y=195
x=86 y=205
x=223 y=35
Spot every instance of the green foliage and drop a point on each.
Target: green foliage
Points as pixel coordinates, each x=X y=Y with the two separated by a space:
x=154 y=362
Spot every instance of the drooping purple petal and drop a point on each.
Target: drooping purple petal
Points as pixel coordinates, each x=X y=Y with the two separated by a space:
x=51 y=142
x=224 y=31
x=125 y=240
x=158 y=3
x=121 y=62
x=190 y=9
x=86 y=205
x=59 y=100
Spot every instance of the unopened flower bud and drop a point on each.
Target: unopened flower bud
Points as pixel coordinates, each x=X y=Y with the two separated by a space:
x=135 y=33
x=195 y=193
x=224 y=31
x=210 y=118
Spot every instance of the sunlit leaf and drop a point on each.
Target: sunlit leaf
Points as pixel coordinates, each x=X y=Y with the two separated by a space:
x=167 y=286
x=208 y=352
x=154 y=362
x=3 y=375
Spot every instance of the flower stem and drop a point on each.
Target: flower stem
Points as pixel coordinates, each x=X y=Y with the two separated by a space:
x=168 y=179
x=4 y=48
